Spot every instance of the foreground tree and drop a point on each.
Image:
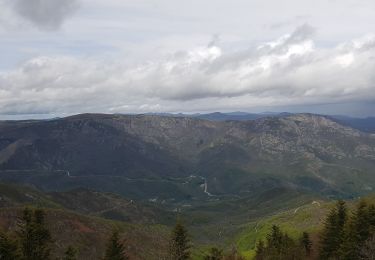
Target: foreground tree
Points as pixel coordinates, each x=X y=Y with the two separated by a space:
x=179 y=246
x=371 y=218
x=214 y=254
x=115 y=249
x=8 y=248
x=275 y=238
x=70 y=254
x=358 y=231
x=368 y=249
x=306 y=243
x=276 y=243
x=260 y=250
x=234 y=255
x=35 y=238
x=280 y=246
x=333 y=231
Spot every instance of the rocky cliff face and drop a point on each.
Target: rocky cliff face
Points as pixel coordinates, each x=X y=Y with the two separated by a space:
x=303 y=150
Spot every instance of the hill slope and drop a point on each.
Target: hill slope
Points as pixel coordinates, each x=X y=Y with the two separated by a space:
x=182 y=159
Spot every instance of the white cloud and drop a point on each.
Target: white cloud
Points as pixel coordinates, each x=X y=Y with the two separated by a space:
x=288 y=71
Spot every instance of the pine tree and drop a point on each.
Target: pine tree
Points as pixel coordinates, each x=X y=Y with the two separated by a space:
x=234 y=255
x=42 y=236
x=306 y=243
x=115 y=249
x=34 y=236
x=275 y=238
x=70 y=254
x=368 y=249
x=275 y=242
x=371 y=218
x=341 y=220
x=289 y=249
x=215 y=254
x=333 y=231
x=358 y=231
x=8 y=248
x=179 y=248
x=362 y=221
x=280 y=246
x=260 y=250
x=25 y=234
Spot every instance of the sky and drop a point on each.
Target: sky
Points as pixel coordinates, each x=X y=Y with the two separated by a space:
x=63 y=57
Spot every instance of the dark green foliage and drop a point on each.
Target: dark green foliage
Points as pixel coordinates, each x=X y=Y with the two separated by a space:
x=115 y=249
x=275 y=238
x=306 y=243
x=332 y=235
x=34 y=237
x=260 y=250
x=179 y=248
x=8 y=248
x=357 y=232
x=215 y=254
x=368 y=249
x=349 y=238
x=371 y=218
x=70 y=254
x=234 y=255
x=280 y=246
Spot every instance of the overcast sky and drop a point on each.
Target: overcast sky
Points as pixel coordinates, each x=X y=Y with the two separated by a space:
x=61 y=57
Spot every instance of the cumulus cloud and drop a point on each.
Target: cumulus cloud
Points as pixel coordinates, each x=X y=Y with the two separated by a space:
x=45 y=14
x=288 y=71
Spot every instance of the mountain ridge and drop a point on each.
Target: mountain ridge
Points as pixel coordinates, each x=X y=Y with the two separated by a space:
x=160 y=153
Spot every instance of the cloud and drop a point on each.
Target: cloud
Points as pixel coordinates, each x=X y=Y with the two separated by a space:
x=289 y=71
x=45 y=14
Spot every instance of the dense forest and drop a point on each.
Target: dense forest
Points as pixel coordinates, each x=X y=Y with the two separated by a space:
x=344 y=235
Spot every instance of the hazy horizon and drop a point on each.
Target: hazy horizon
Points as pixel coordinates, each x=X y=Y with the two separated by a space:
x=270 y=113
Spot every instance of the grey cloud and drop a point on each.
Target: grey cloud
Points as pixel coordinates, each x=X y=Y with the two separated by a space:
x=46 y=14
x=301 y=33
x=214 y=41
x=298 y=19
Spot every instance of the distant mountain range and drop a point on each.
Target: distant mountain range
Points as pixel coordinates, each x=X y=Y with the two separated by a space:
x=177 y=158
x=364 y=124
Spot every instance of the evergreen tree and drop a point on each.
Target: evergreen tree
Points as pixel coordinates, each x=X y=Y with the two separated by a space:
x=281 y=247
x=368 y=249
x=371 y=218
x=115 y=249
x=341 y=214
x=275 y=242
x=25 y=234
x=275 y=238
x=8 y=248
x=34 y=236
x=215 y=254
x=289 y=249
x=70 y=254
x=42 y=236
x=260 y=250
x=306 y=243
x=179 y=248
x=357 y=233
x=333 y=231
x=362 y=221
x=234 y=255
